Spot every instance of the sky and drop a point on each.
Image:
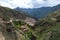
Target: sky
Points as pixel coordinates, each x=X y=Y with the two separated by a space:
x=29 y=3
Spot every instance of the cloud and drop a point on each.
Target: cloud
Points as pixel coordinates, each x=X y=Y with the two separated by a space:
x=28 y=3
x=6 y=3
x=16 y=3
x=52 y=2
x=45 y=3
x=22 y=3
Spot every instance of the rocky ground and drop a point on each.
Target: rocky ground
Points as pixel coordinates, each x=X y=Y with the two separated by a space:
x=5 y=35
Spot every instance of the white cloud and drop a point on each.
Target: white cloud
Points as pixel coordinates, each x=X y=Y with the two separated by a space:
x=5 y=3
x=52 y=2
x=16 y=3
x=22 y=3
x=28 y=3
x=44 y=3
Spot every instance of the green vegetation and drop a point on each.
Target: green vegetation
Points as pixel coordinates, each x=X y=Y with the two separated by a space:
x=18 y=24
x=28 y=33
x=46 y=29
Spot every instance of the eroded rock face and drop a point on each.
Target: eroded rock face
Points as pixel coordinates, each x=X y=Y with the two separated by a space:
x=4 y=35
x=1 y=36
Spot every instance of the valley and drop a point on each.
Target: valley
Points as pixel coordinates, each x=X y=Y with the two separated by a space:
x=15 y=25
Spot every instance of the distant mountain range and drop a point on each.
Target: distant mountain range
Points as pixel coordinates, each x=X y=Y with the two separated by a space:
x=39 y=12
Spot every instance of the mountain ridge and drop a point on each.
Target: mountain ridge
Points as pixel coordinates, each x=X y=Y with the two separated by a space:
x=39 y=12
x=8 y=13
x=45 y=29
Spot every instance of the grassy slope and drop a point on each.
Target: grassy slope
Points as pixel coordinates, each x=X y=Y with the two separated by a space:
x=48 y=29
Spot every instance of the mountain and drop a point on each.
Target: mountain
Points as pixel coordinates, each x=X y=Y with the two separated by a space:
x=47 y=28
x=13 y=24
x=8 y=13
x=39 y=12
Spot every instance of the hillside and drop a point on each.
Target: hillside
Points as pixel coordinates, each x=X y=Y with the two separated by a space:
x=11 y=22
x=46 y=28
x=24 y=27
x=8 y=13
x=39 y=12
